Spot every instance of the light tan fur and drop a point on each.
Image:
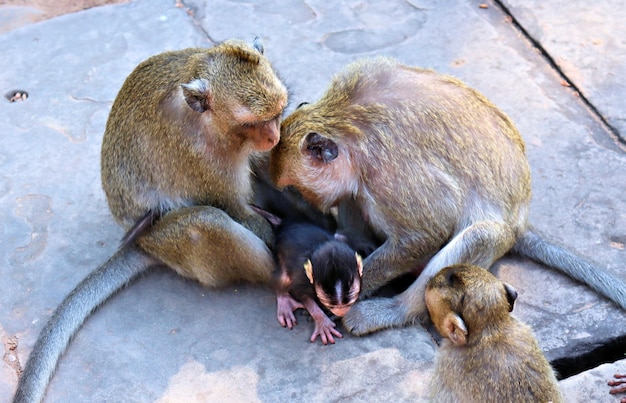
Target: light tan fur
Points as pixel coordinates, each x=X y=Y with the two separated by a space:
x=487 y=354
x=176 y=151
x=428 y=166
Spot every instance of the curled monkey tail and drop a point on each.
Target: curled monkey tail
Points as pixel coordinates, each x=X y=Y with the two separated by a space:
x=94 y=290
x=531 y=245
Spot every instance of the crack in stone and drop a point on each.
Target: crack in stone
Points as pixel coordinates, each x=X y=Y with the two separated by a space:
x=614 y=134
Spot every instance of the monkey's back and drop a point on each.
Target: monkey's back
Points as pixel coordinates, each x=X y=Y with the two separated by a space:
x=433 y=132
x=507 y=368
x=295 y=242
x=158 y=153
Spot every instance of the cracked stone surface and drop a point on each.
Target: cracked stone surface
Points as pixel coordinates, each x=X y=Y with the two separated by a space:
x=167 y=339
x=587 y=42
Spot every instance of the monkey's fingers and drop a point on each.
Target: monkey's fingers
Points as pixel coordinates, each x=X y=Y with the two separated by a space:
x=286 y=305
x=618 y=387
x=288 y=320
x=325 y=328
x=326 y=335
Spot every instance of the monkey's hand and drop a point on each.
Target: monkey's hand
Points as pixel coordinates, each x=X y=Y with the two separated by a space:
x=286 y=306
x=324 y=327
x=618 y=385
x=375 y=314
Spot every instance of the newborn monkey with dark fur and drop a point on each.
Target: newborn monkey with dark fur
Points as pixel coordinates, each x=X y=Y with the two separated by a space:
x=313 y=266
x=176 y=172
x=487 y=355
x=435 y=169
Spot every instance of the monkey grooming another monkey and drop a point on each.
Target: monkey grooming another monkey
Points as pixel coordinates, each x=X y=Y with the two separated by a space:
x=313 y=267
x=435 y=169
x=176 y=173
x=487 y=355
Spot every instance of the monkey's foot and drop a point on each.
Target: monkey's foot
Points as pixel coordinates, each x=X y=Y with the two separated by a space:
x=375 y=314
x=286 y=306
x=618 y=385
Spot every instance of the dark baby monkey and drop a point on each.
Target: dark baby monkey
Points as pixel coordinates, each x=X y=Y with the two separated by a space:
x=175 y=168
x=487 y=355
x=313 y=267
x=435 y=170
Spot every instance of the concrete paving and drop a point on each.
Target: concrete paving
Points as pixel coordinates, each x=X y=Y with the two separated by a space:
x=168 y=339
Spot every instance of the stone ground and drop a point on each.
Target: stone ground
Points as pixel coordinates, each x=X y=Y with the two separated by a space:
x=557 y=68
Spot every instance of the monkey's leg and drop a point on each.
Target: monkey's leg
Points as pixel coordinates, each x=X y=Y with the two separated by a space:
x=479 y=244
x=205 y=244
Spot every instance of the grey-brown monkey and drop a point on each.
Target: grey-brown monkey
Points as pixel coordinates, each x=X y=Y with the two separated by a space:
x=176 y=173
x=435 y=169
x=487 y=355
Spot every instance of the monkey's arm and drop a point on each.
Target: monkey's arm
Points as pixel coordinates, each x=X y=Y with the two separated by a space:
x=324 y=327
x=392 y=259
x=285 y=303
x=258 y=225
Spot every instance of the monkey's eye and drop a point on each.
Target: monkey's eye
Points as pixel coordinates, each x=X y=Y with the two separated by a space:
x=301 y=104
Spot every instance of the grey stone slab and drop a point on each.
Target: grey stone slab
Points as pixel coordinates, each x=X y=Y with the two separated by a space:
x=587 y=40
x=591 y=386
x=166 y=338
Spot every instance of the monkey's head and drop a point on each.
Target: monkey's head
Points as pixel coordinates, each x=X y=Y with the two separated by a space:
x=335 y=271
x=462 y=299
x=314 y=155
x=238 y=89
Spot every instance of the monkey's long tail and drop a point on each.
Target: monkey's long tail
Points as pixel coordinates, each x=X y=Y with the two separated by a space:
x=102 y=283
x=533 y=246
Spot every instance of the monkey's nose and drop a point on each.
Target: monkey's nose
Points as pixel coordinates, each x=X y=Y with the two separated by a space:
x=340 y=311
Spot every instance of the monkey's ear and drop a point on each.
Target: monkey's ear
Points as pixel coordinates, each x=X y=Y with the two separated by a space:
x=196 y=93
x=359 y=264
x=257 y=43
x=455 y=329
x=321 y=148
x=452 y=278
x=308 y=269
x=511 y=295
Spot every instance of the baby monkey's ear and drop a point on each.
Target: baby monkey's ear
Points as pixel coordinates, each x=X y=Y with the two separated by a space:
x=308 y=269
x=455 y=329
x=511 y=295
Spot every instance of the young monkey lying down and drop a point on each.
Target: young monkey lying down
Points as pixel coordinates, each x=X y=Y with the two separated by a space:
x=487 y=354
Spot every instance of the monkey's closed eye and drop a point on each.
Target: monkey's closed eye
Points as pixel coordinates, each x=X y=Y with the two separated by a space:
x=301 y=104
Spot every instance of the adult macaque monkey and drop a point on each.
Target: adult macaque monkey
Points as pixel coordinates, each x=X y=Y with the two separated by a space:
x=176 y=173
x=433 y=167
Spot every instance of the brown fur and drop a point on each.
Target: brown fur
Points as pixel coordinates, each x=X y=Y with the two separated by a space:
x=176 y=172
x=435 y=170
x=487 y=355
